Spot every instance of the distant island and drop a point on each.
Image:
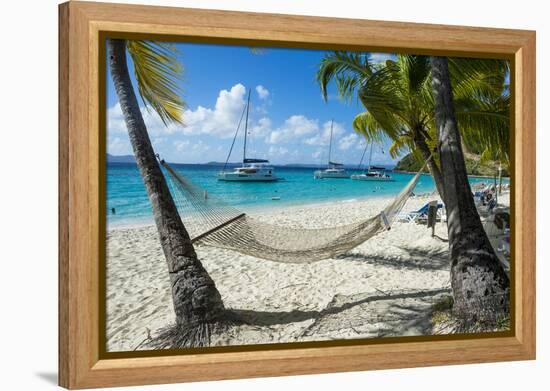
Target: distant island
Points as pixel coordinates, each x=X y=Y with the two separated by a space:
x=473 y=165
x=131 y=159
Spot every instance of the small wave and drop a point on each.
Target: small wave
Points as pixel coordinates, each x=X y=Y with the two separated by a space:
x=349 y=200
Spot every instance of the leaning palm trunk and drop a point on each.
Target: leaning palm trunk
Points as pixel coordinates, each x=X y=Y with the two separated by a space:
x=424 y=149
x=480 y=284
x=196 y=298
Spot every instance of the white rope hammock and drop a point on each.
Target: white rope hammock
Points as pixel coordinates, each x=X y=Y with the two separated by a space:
x=212 y=222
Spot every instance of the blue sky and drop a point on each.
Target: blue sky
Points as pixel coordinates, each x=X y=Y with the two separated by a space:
x=289 y=121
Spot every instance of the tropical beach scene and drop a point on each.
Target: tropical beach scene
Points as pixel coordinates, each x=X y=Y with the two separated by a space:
x=257 y=196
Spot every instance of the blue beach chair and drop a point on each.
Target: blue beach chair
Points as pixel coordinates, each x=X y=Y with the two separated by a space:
x=421 y=213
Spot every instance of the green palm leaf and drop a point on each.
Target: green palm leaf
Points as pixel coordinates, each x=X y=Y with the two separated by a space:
x=399 y=102
x=157 y=73
x=485 y=127
x=347 y=69
x=366 y=125
x=478 y=78
x=415 y=70
x=401 y=145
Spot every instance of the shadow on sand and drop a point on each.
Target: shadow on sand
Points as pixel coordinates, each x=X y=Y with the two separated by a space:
x=271 y=318
x=415 y=259
x=387 y=313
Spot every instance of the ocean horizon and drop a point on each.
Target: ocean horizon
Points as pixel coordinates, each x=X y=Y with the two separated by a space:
x=126 y=191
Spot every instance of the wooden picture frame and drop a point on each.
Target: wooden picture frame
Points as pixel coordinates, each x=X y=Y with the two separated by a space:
x=82 y=26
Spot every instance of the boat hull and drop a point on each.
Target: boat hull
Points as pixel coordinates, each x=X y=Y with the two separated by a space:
x=246 y=178
x=329 y=175
x=371 y=178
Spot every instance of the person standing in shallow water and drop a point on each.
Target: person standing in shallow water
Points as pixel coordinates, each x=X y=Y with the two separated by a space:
x=113 y=211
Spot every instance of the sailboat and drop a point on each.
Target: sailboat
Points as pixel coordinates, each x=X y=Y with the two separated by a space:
x=373 y=173
x=252 y=170
x=334 y=170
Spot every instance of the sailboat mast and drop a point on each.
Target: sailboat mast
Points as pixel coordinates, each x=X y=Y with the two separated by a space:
x=362 y=157
x=330 y=143
x=246 y=125
x=370 y=154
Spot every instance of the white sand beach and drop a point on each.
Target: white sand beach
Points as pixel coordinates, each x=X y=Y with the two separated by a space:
x=384 y=287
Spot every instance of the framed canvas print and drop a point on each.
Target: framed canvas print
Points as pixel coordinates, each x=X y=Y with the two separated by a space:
x=248 y=195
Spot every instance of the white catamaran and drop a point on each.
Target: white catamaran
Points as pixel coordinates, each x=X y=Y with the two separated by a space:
x=373 y=173
x=252 y=170
x=334 y=170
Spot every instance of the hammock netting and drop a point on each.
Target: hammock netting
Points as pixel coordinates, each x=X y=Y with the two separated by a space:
x=211 y=221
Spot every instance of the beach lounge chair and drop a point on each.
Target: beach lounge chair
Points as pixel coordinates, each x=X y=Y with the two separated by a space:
x=481 y=193
x=420 y=214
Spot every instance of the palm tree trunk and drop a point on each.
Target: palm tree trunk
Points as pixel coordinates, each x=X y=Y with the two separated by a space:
x=424 y=149
x=196 y=298
x=480 y=284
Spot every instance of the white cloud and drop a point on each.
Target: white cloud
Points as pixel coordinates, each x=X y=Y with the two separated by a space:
x=317 y=154
x=181 y=145
x=381 y=57
x=158 y=141
x=323 y=138
x=347 y=141
x=115 y=120
x=294 y=127
x=277 y=151
x=201 y=147
x=261 y=128
x=155 y=126
x=209 y=129
x=260 y=110
x=263 y=92
x=195 y=150
x=119 y=146
x=222 y=119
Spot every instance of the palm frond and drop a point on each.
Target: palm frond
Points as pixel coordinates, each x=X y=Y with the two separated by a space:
x=347 y=69
x=479 y=78
x=383 y=99
x=366 y=125
x=157 y=73
x=415 y=70
x=398 y=99
x=401 y=145
x=485 y=127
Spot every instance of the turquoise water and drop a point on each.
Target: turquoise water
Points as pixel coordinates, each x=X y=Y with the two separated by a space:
x=126 y=192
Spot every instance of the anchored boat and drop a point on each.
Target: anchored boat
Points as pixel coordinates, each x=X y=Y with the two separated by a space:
x=252 y=170
x=334 y=170
x=373 y=173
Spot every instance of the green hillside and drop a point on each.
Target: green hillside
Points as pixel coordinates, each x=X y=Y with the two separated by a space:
x=473 y=165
